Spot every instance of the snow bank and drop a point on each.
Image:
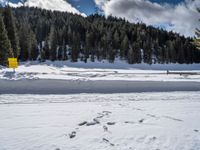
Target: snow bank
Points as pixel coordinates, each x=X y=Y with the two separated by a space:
x=118 y=64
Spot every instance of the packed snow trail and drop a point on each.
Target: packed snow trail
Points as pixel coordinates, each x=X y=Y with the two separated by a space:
x=139 y=121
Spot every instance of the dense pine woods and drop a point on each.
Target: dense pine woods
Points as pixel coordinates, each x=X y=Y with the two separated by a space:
x=30 y=34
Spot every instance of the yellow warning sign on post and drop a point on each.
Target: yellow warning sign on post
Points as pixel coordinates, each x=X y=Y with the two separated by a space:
x=12 y=63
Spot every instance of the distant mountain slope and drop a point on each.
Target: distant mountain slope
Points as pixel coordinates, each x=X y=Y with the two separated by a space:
x=58 y=5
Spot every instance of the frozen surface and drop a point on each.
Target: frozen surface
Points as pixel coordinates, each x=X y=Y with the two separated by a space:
x=139 y=121
x=44 y=86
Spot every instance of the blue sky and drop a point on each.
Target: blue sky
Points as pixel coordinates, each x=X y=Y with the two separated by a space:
x=85 y=6
x=167 y=1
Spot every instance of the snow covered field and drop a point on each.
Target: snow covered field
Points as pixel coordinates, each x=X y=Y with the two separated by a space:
x=160 y=120
x=136 y=121
x=120 y=70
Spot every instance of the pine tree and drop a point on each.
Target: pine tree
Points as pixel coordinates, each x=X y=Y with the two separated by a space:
x=75 y=47
x=130 y=56
x=124 y=47
x=46 y=50
x=53 y=43
x=64 y=51
x=116 y=38
x=88 y=43
x=5 y=46
x=9 y=22
x=27 y=43
x=104 y=44
x=134 y=54
x=33 y=54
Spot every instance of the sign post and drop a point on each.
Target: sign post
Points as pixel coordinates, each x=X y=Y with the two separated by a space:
x=12 y=63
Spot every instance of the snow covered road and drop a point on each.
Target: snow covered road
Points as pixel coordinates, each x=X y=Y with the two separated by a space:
x=137 y=121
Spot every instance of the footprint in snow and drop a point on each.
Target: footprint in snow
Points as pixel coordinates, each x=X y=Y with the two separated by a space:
x=91 y=123
x=107 y=141
x=103 y=114
x=107 y=112
x=141 y=121
x=72 y=135
x=105 y=129
x=83 y=123
x=94 y=122
x=129 y=122
x=111 y=123
x=100 y=116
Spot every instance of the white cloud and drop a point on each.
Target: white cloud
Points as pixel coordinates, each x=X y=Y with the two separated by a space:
x=181 y=18
x=58 y=5
x=3 y=2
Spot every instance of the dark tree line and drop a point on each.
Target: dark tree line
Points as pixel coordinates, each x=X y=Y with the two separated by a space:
x=31 y=34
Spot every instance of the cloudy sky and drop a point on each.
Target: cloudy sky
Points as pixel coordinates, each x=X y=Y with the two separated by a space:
x=177 y=15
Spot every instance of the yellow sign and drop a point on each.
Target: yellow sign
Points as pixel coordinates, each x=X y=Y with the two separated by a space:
x=12 y=63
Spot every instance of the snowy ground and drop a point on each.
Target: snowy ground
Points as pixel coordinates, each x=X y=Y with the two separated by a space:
x=134 y=121
x=137 y=121
x=120 y=70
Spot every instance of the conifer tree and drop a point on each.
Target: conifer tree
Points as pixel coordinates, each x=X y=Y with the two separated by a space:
x=5 y=46
x=9 y=22
x=116 y=38
x=28 y=43
x=33 y=54
x=124 y=47
x=53 y=43
x=75 y=47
